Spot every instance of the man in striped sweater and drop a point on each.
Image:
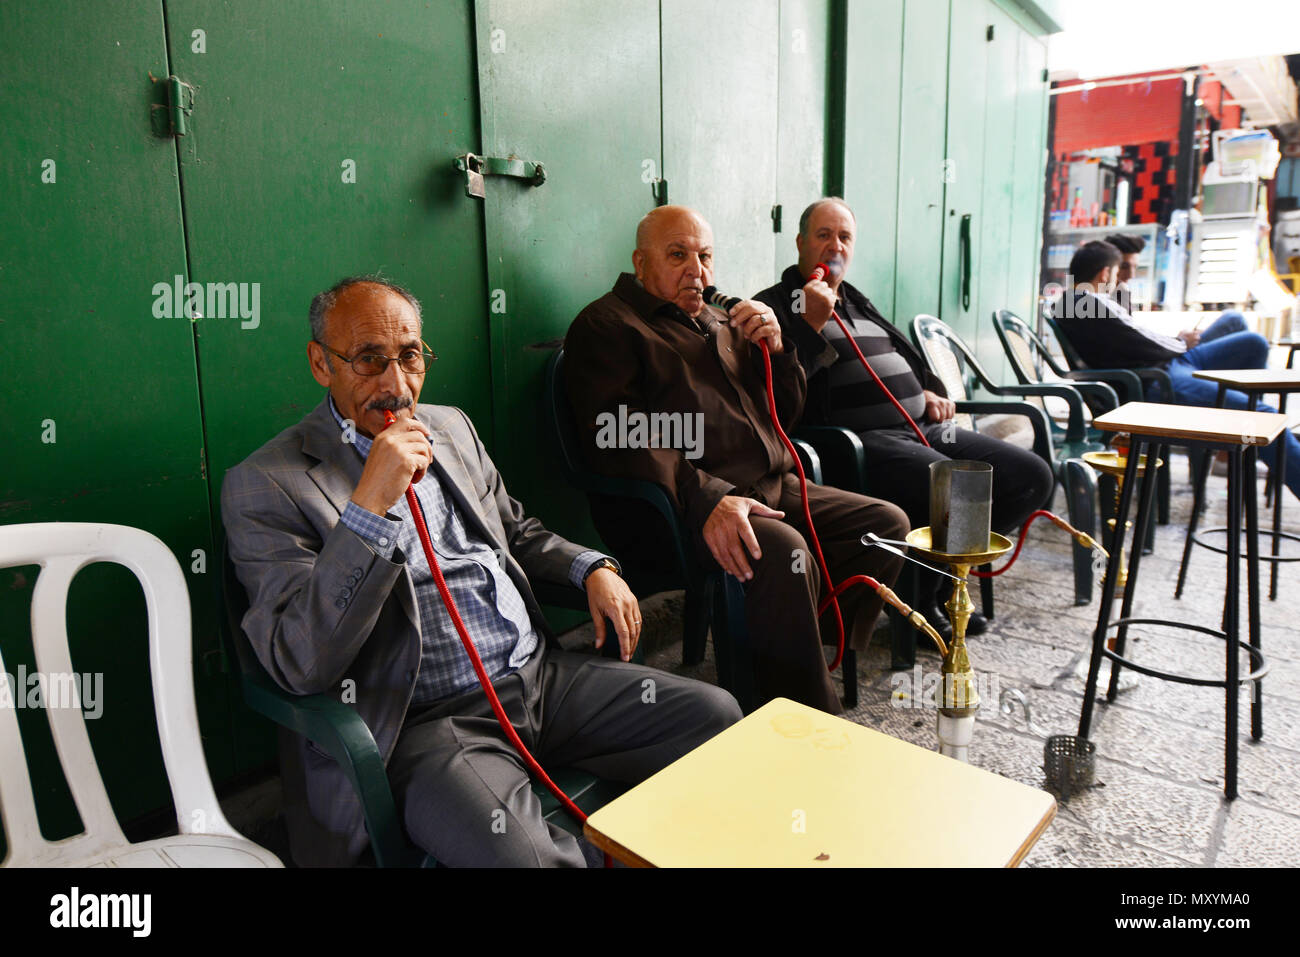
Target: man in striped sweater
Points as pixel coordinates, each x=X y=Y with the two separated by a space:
x=841 y=392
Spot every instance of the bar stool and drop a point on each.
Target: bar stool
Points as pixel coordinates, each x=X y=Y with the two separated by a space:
x=1254 y=383
x=1240 y=433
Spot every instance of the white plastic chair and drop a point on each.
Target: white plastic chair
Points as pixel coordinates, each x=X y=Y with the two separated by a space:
x=206 y=838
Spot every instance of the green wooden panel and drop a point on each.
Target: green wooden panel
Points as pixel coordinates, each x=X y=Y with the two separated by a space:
x=967 y=74
x=801 y=117
x=720 y=128
x=292 y=96
x=81 y=347
x=874 y=53
x=576 y=87
x=924 y=91
x=994 y=221
x=1029 y=180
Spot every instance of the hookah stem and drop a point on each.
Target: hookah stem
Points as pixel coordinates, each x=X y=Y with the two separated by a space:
x=883 y=388
x=417 y=514
x=1082 y=538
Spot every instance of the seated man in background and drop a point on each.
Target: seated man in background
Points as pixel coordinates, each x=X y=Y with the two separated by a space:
x=651 y=346
x=1105 y=335
x=1130 y=248
x=841 y=392
x=342 y=601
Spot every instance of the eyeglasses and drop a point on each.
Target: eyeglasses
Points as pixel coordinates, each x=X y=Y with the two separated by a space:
x=368 y=363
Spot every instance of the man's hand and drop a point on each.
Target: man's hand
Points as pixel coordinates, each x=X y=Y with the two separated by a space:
x=399 y=456
x=1191 y=337
x=729 y=535
x=938 y=408
x=609 y=597
x=818 y=304
x=757 y=321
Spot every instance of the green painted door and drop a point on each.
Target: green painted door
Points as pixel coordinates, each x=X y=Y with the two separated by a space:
x=964 y=192
x=322 y=146
x=801 y=119
x=924 y=96
x=994 y=222
x=1029 y=179
x=720 y=95
x=574 y=86
x=874 y=45
x=99 y=417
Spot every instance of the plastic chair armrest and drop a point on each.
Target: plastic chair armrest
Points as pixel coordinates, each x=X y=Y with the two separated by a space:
x=843 y=456
x=1126 y=382
x=342 y=734
x=1037 y=419
x=812 y=463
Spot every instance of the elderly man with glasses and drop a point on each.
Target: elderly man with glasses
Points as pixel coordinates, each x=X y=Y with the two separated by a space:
x=342 y=601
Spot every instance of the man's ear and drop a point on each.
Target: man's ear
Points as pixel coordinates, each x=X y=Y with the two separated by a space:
x=320 y=369
x=638 y=260
x=798 y=244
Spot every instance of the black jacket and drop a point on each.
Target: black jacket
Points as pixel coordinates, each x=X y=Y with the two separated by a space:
x=815 y=352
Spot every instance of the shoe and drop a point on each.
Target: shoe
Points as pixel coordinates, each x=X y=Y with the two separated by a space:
x=1128 y=678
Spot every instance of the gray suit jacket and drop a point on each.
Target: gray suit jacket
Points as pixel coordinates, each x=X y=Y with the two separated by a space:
x=325 y=609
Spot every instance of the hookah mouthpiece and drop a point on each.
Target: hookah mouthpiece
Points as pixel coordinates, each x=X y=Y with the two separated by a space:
x=715 y=298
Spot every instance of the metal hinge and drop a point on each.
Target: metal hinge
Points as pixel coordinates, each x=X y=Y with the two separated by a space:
x=173 y=105
x=776 y=218
x=660 y=189
x=988 y=35
x=476 y=167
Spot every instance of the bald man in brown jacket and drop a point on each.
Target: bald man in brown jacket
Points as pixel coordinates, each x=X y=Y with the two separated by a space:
x=653 y=347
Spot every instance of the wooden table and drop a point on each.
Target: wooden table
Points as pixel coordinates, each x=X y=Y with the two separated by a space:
x=790 y=786
x=1241 y=434
x=1254 y=383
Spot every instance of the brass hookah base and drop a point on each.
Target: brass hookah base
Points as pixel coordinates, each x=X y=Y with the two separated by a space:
x=959 y=699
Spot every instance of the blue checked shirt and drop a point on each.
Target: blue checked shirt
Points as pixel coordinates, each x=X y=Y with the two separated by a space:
x=490 y=605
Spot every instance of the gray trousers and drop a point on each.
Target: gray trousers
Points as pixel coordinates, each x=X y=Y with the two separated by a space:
x=464 y=794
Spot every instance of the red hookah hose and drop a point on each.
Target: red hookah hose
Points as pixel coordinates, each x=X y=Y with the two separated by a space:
x=417 y=515
x=832 y=599
x=1024 y=531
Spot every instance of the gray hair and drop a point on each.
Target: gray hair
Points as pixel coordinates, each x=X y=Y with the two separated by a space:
x=817 y=204
x=323 y=302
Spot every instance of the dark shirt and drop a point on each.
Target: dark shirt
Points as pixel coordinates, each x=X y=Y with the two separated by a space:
x=631 y=349
x=840 y=391
x=1106 y=336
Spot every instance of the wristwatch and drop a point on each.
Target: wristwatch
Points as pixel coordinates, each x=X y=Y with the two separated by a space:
x=603 y=563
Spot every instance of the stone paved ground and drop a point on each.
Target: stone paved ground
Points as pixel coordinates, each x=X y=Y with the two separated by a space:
x=1159 y=799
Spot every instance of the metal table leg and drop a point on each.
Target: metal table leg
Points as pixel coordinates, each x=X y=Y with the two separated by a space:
x=1140 y=526
x=1109 y=585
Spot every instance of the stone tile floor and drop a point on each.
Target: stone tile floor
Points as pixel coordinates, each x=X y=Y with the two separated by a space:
x=1158 y=801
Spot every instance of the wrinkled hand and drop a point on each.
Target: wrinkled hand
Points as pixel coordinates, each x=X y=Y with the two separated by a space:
x=938 y=408
x=729 y=535
x=609 y=597
x=756 y=322
x=818 y=304
x=1191 y=337
x=399 y=457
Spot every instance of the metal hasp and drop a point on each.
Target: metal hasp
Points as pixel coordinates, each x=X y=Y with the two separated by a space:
x=476 y=167
x=170 y=117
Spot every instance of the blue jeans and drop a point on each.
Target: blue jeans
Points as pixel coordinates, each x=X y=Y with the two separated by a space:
x=1226 y=344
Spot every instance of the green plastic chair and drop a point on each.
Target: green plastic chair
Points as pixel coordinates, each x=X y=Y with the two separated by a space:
x=951 y=359
x=1027 y=354
x=339 y=731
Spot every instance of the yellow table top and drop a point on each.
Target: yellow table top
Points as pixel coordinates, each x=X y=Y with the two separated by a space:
x=1259 y=380
x=790 y=786
x=1193 y=422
